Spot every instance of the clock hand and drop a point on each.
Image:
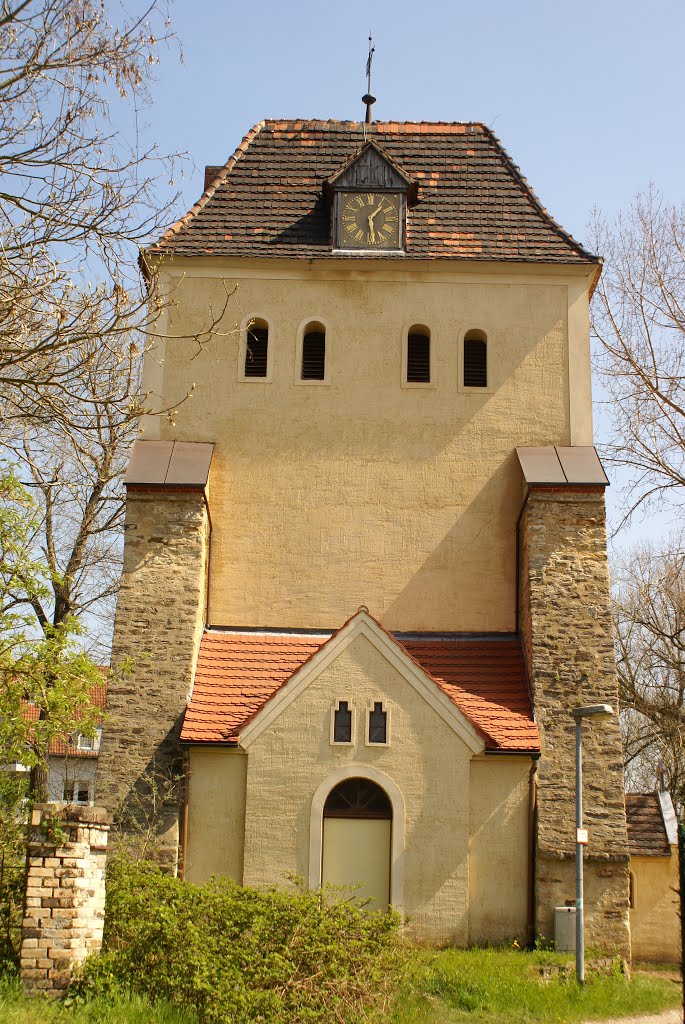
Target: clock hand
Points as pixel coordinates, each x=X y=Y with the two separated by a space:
x=372 y=233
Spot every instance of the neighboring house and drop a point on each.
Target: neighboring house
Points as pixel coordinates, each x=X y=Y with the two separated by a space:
x=72 y=760
x=365 y=575
x=654 y=877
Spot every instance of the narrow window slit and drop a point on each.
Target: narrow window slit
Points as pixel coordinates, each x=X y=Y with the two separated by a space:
x=378 y=724
x=418 y=357
x=475 y=360
x=342 y=725
x=257 y=350
x=314 y=354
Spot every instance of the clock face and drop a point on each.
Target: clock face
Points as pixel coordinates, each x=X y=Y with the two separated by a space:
x=370 y=220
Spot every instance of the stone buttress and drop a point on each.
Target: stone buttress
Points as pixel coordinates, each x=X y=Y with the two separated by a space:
x=566 y=628
x=157 y=630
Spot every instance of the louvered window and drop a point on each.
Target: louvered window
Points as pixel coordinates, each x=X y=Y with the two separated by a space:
x=418 y=357
x=257 y=350
x=475 y=360
x=314 y=353
x=378 y=724
x=342 y=725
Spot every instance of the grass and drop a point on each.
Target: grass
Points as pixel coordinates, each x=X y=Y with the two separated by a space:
x=479 y=986
x=17 y=1009
x=495 y=986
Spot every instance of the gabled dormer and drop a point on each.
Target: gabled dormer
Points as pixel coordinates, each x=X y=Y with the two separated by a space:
x=369 y=199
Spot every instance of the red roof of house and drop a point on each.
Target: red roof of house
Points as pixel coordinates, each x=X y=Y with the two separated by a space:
x=61 y=746
x=270 y=198
x=238 y=672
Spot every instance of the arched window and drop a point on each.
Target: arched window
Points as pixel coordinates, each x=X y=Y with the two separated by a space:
x=257 y=349
x=418 y=355
x=357 y=798
x=313 y=352
x=475 y=359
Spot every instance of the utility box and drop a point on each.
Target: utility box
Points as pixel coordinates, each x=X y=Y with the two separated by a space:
x=565 y=929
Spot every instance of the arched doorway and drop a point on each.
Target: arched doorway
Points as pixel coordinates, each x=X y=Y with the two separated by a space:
x=357 y=832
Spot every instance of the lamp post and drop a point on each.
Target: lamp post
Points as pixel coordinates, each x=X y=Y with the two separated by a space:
x=598 y=713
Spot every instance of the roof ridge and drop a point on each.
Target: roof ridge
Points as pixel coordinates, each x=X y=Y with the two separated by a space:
x=362 y=124
x=519 y=177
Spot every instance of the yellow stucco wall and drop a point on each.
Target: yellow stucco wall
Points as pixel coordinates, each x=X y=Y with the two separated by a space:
x=360 y=490
x=499 y=849
x=461 y=816
x=216 y=813
x=654 y=922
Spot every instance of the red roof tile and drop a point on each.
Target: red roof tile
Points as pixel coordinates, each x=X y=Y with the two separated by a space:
x=238 y=672
x=270 y=198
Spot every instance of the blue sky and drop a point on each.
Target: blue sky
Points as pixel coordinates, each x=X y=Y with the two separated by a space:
x=587 y=99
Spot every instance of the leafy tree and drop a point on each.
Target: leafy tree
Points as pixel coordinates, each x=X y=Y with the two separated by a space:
x=45 y=678
x=45 y=685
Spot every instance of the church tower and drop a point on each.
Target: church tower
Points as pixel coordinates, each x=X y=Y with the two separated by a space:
x=365 y=570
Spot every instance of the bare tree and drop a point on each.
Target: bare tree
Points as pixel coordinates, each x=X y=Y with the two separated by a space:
x=649 y=611
x=77 y=195
x=74 y=470
x=638 y=316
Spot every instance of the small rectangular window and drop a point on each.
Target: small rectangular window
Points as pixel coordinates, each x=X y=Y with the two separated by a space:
x=378 y=724
x=342 y=726
x=256 y=352
x=418 y=359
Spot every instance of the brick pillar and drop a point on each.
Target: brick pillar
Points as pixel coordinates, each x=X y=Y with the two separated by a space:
x=65 y=894
x=567 y=635
x=157 y=631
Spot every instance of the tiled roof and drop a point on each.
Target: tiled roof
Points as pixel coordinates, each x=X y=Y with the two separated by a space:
x=646 y=830
x=59 y=747
x=473 y=202
x=238 y=672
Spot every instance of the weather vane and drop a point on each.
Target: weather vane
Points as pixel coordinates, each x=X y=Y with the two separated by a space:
x=368 y=99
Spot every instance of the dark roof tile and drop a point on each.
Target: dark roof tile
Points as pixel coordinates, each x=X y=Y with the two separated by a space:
x=269 y=199
x=646 y=829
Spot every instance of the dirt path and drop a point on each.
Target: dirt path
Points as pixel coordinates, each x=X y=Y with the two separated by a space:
x=667 y=1017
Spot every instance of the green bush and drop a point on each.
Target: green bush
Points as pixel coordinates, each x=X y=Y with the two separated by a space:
x=236 y=955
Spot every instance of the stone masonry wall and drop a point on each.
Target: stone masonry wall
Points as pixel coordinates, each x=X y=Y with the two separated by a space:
x=65 y=894
x=157 y=631
x=567 y=637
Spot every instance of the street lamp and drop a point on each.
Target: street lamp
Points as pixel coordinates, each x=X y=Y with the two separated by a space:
x=597 y=713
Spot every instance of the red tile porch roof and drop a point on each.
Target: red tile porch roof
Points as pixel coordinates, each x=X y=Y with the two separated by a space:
x=238 y=672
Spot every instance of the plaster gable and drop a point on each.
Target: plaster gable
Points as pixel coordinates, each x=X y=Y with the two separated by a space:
x=402 y=669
